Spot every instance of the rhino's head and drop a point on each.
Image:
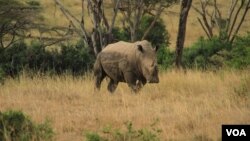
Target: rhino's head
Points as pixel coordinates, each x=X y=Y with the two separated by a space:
x=148 y=62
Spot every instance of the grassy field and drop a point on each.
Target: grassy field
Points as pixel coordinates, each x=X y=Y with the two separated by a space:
x=189 y=105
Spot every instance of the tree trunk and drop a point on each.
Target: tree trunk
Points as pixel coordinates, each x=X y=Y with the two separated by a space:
x=185 y=6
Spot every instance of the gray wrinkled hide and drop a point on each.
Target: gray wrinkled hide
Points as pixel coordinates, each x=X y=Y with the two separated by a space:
x=132 y=63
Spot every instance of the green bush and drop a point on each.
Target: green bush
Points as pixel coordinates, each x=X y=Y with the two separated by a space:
x=75 y=59
x=217 y=53
x=2 y=75
x=130 y=134
x=158 y=34
x=16 y=126
x=39 y=60
x=121 y=34
x=92 y=136
x=239 y=57
x=33 y=2
x=200 y=54
x=165 y=57
x=13 y=59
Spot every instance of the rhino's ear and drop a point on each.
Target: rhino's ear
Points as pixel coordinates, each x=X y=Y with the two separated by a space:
x=139 y=47
x=156 y=48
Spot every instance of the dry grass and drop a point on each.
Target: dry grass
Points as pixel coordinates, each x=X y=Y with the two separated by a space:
x=187 y=105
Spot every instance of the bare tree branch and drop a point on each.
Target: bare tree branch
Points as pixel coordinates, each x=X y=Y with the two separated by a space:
x=204 y=29
x=71 y=17
x=114 y=16
x=231 y=10
x=158 y=13
x=241 y=21
x=235 y=18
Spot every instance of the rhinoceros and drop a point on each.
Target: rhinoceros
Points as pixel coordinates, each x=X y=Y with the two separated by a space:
x=132 y=63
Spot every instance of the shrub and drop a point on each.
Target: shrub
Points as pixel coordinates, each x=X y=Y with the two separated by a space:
x=39 y=60
x=165 y=57
x=92 y=136
x=75 y=59
x=2 y=75
x=121 y=34
x=200 y=54
x=130 y=134
x=158 y=34
x=33 y=2
x=13 y=59
x=217 y=53
x=240 y=54
x=16 y=126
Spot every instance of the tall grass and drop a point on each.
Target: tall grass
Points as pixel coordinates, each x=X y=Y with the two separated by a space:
x=189 y=105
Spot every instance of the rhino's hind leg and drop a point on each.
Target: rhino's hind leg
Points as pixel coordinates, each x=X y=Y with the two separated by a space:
x=99 y=77
x=112 y=85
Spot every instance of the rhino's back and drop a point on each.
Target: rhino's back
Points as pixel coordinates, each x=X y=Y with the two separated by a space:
x=124 y=48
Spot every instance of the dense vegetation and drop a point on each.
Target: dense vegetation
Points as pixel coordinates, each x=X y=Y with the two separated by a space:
x=16 y=126
x=76 y=59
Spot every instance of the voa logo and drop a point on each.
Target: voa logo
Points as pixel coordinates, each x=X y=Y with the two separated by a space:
x=236 y=132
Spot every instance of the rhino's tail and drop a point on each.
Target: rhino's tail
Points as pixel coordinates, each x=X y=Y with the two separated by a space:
x=98 y=72
x=97 y=66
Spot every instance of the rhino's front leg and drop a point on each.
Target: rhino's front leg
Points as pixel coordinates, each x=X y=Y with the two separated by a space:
x=112 y=85
x=132 y=81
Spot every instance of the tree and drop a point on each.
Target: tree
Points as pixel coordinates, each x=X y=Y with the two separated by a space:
x=101 y=33
x=134 y=10
x=185 y=6
x=16 y=18
x=229 y=26
x=19 y=20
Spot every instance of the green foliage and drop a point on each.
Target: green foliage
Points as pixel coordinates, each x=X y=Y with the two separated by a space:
x=121 y=34
x=217 y=53
x=2 y=75
x=16 y=17
x=200 y=53
x=240 y=54
x=239 y=57
x=16 y=126
x=93 y=137
x=13 y=58
x=33 y=2
x=130 y=134
x=165 y=57
x=158 y=34
x=75 y=59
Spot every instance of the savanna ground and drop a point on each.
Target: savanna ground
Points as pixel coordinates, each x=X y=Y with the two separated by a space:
x=189 y=105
